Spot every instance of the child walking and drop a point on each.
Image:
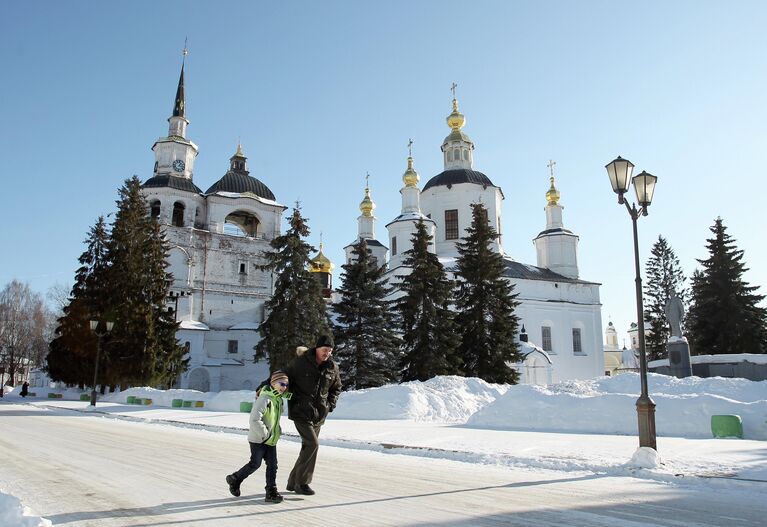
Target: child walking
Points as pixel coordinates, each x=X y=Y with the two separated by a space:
x=263 y=434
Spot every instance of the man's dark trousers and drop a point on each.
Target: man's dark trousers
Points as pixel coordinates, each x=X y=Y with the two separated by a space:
x=303 y=470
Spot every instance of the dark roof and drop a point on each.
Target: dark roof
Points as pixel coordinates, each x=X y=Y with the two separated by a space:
x=241 y=182
x=531 y=272
x=555 y=231
x=369 y=242
x=178 y=183
x=459 y=175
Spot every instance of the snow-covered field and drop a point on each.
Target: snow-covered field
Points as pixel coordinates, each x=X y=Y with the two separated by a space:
x=525 y=427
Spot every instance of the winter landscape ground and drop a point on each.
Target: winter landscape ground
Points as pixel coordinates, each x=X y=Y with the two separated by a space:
x=443 y=437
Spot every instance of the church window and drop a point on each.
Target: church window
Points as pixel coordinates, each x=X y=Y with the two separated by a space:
x=241 y=223
x=451 y=224
x=577 y=348
x=178 y=214
x=465 y=154
x=154 y=208
x=457 y=154
x=243 y=268
x=232 y=346
x=546 y=338
x=393 y=245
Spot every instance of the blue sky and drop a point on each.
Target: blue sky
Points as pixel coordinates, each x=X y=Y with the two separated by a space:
x=319 y=93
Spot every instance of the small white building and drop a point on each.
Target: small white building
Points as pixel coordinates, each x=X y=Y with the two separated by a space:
x=562 y=312
x=216 y=241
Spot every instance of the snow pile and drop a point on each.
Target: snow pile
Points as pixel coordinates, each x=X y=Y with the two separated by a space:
x=14 y=514
x=644 y=457
x=217 y=401
x=447 y=399
x=607 y=406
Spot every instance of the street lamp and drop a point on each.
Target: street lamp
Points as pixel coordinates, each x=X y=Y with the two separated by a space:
x=619 y=172
x=100 y=330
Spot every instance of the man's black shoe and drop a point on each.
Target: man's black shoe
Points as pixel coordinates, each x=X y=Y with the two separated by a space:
x=304 y=489
x=290 y=488
x=234 y=485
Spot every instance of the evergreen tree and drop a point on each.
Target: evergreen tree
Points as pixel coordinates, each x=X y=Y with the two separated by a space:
x=429 y=333
x=142 y=347
x=485 y=303
x=72 y=352
x=724 y=315
x=367 y=349
x=297 y=313
x=664 y=277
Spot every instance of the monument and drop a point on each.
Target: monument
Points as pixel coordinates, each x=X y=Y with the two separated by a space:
x=677 y=346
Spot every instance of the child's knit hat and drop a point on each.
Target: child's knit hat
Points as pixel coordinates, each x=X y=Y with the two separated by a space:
x=278 y=376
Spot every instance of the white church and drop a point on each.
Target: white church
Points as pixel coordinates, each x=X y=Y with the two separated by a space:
x=216 y=240
x=560 y=312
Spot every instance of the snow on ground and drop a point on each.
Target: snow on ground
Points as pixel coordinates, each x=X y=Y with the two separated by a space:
x=606 y=405
x=14 y=514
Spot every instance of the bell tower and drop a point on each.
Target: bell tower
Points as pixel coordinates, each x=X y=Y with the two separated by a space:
x=175 y=154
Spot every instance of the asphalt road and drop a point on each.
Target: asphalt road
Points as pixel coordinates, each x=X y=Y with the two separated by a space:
x=80 y=469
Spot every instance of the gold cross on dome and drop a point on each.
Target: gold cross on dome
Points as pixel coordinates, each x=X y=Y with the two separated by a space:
x=551 y=166
x=452 y=89
x=367 y=179
x=410 y=147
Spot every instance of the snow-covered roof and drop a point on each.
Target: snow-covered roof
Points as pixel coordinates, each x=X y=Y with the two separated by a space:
x=193 y=324
x=727 y=358
x=245 y=325
x=528 y=348
x=213 y=362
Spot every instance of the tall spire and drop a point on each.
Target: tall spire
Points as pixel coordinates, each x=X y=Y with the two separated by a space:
x=178 y=107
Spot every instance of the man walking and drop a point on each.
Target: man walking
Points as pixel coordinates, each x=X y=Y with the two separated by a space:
x=316 y=385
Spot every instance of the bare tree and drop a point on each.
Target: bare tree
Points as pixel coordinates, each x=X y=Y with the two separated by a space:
x=24 y=328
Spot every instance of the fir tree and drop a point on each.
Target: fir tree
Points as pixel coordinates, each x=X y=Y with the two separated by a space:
x=485 y=303
x=429 y=333
x=142 y=347
x=367 y=348
x=664 y=277
x=72 y=352
x=724 y=315
x=297 y=314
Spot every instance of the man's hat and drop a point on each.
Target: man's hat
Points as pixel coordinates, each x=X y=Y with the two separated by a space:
x=324 y=341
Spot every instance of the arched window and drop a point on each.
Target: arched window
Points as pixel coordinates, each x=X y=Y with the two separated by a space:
x=154 y=209
x=178 y=214
x=465 y=154
x=457 y=154
x=241 y=223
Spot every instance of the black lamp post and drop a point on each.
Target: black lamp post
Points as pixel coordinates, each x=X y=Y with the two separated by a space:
x=620 y=171
x=100 y=329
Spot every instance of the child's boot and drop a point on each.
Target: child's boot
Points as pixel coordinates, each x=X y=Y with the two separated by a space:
x=272 y=496
x=234 y=484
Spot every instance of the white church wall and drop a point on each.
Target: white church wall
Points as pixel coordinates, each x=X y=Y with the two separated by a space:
x=436 y=200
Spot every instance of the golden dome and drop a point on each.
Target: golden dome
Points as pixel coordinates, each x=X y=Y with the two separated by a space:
x=552 y=196
x=410 y=177
x=320 y=263
x=367 y=205
x=456 y=120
